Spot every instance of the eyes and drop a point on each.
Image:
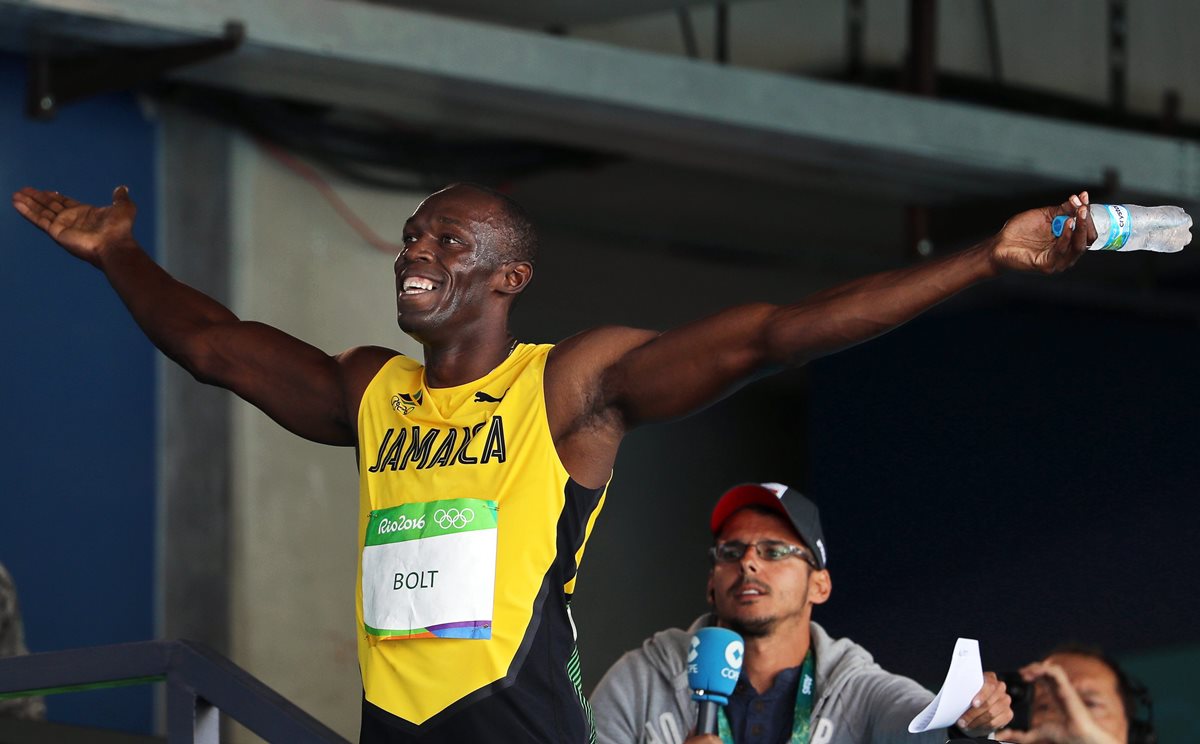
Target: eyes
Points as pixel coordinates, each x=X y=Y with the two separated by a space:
x=444 y=239
x=1042 y=704
x=769 y=550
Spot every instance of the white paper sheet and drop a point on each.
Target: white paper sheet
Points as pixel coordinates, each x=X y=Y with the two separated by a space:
x=963 y=680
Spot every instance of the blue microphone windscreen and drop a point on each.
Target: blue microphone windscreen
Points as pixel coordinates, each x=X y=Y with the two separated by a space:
x=714 y=663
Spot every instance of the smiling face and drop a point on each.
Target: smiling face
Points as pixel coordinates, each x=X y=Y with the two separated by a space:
x=453 y=273
x=757 y=597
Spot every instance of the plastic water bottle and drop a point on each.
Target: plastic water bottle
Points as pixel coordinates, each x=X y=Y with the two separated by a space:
x=1129 y=227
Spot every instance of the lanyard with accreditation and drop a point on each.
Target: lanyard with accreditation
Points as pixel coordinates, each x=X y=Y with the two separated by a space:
x=804 y=706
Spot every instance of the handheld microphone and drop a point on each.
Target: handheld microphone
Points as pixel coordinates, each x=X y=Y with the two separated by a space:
x=714 y=664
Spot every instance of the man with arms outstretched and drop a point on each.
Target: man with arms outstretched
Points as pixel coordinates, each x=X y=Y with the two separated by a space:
x=482 y=471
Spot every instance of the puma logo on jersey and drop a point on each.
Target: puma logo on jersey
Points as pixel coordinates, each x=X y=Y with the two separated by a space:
x=406 y=403
x=482 y=397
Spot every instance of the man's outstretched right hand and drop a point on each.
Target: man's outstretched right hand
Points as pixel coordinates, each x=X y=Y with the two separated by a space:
x=84 y=230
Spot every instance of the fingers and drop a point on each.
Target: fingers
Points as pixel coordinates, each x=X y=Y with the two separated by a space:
x=51 y=203
x=1092 y=234
x=990 y=709
x=1049 y=734
x=1070 y=205
x=1082 y=217
x=1079 y=231
x=1065 y=692
x=1071 y=232
x=1073 y=242
x=121 y=201
x=39 y=207
x=991 y=689
x=1029 y=671
x=41 y=199
x=1043 y=672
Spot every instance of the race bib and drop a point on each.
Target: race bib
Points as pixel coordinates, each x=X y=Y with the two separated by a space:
x=429 y=570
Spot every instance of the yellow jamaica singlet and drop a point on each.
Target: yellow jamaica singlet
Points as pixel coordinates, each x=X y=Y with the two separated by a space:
x=471 y=532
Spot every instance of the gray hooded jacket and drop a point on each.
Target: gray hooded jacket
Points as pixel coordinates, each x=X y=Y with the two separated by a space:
x=644 y=698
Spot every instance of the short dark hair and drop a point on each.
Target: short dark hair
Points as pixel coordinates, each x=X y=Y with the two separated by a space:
x=1135 y=698
x=519 y=236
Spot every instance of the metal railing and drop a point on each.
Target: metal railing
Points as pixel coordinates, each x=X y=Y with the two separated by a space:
x=201 y=685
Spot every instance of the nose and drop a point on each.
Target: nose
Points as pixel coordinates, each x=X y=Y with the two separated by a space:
x=749 y=561
x=418 y=251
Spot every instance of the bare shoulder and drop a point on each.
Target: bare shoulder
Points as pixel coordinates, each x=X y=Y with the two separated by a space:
x=585 y=356
x=576 y=368
x=366 y=356
x=358 y=366
x=585 y=427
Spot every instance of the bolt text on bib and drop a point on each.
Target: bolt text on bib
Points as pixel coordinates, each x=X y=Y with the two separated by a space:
x=415 y=580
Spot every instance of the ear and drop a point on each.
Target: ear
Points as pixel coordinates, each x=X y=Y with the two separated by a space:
x=711 y=592
x=820 y=585
x=515 y=276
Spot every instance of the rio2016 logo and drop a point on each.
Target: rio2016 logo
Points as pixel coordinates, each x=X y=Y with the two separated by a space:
x=456 y=518
x=400 y=524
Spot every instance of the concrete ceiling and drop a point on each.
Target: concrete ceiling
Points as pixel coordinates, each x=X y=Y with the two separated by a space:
x=457 y=75
x=682 y=121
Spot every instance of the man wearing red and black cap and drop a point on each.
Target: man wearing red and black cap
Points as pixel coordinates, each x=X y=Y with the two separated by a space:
x=797 y=684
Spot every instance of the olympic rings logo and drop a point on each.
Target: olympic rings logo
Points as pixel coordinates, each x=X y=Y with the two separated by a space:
x=457 y=518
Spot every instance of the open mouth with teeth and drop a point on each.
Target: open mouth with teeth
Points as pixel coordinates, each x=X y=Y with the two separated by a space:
x=417 y=285
x=748 y=592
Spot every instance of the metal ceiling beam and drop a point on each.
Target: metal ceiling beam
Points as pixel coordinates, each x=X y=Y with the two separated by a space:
x=544 y=14
x=471 y=77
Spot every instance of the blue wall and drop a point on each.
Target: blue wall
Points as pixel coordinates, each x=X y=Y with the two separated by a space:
x=77 y=500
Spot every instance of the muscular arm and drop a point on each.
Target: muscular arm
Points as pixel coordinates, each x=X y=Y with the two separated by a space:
x=610 y=380
x=305 y=390
x=691 y=366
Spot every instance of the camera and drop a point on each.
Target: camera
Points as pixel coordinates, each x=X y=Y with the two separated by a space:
x=1021 y=693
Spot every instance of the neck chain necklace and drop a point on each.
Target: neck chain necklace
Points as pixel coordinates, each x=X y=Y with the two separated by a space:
x=512 y=346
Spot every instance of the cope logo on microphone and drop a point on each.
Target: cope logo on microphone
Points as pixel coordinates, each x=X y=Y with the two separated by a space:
x=733 y=657
x=715 y=659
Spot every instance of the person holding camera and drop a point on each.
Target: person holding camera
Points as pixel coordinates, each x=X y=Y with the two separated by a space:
x=1081 y=696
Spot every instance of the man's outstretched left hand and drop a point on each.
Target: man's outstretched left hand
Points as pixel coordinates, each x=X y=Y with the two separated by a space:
x=1027 y=241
